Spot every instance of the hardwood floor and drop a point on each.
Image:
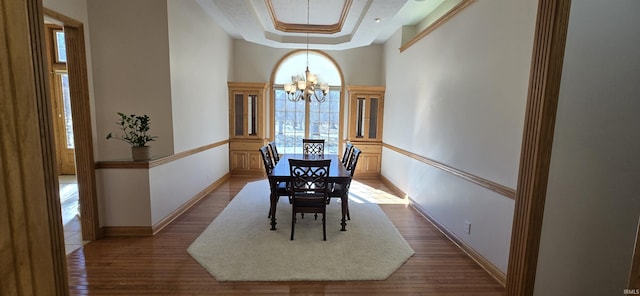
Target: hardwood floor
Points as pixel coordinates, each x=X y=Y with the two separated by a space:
x=160 y=265
x=69 y=200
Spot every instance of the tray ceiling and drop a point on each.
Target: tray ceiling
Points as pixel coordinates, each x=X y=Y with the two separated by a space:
x=333 y=24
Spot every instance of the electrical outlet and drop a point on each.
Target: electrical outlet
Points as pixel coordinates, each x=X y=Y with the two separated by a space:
x=467 y=227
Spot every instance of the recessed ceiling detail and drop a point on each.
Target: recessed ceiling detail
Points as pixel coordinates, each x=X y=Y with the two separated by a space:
x=280 y=6
x=333 y=24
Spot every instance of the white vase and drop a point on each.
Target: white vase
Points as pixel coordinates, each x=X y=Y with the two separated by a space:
x=141 y=153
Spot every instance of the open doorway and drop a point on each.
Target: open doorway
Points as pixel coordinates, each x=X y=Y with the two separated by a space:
x=73 y=132
x=63 y=135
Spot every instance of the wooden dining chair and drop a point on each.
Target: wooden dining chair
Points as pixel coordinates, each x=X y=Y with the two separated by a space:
x=313 y=146
x=308 y=189
x=341 y=191
x=347 y=154
x=277 y=188
x=274 y=151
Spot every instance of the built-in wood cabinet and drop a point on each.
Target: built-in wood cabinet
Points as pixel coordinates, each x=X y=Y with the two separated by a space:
x=366 y=109
x=247 y=127
x=370 y=159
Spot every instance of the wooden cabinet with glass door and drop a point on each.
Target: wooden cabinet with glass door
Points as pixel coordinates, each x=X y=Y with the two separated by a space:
x=366 y=106
x=246 y=127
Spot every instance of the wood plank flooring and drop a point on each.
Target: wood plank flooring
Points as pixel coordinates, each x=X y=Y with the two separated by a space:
x=160 y=265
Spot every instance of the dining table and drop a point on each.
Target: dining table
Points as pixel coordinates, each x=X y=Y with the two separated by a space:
x=281 y=173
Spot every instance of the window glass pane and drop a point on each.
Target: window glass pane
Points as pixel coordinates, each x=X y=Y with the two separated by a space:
x=66 y=102
x=318 y=64
x=289 y=123
x=61 y=49
x=314 y=122
x=324 y=121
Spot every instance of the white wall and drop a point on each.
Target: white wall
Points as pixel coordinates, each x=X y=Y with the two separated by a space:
x=200 y=58
x=593 y=198
x=175 y=183
x=130 y=71
x=125 y=197
x=76 y=9
x=200 y=54
x=255 y=63
x=168 y=60
x=458 y=96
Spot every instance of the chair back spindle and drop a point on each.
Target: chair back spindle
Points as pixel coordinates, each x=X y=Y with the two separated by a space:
x=353 y=161
x=274 y=151
x=313 y=146
x=267 y=159
x=347 y=154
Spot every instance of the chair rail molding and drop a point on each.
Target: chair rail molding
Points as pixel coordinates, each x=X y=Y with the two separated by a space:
x=493 y=186
x=154 y=162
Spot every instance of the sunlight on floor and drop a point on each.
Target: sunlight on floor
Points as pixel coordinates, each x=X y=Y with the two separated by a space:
x=362 y=193
x=72 y=235
x=69 y=204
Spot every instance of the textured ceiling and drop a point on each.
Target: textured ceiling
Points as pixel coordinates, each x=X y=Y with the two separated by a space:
x=332 y=24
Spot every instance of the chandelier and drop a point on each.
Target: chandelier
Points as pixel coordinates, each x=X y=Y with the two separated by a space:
x=306 y=87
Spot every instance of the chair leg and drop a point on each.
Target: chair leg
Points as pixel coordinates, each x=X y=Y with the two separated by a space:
x=293 y=224
x=324 y=227
x=348 y=215
x=270 y=209
x=347 y=205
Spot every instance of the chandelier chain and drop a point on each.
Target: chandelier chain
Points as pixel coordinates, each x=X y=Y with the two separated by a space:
x=308 y=23
x=304 y=87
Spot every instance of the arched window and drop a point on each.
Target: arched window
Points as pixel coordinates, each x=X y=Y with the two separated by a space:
x=293 y=121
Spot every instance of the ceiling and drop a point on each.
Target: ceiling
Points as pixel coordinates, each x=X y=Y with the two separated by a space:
x=331 y=24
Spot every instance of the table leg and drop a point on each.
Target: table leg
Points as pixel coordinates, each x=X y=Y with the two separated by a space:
x=345 y=206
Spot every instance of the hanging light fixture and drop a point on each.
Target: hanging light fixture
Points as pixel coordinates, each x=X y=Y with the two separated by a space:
x=306 y=87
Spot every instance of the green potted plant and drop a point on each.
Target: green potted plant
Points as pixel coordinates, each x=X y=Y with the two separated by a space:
x=134 y=131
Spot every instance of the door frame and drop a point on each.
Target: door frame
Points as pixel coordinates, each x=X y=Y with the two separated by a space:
x=25 y=16
x=537 y=140
x=82 y=129
x=33 y=253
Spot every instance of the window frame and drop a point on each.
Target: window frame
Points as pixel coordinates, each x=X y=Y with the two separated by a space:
x=342 y=137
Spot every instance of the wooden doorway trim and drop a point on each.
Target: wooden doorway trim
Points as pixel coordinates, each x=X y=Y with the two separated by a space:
x=542 y=101
x=82 y=131
x=33 y=260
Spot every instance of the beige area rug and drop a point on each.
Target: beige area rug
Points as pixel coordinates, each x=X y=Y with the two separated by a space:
x=238 y=245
